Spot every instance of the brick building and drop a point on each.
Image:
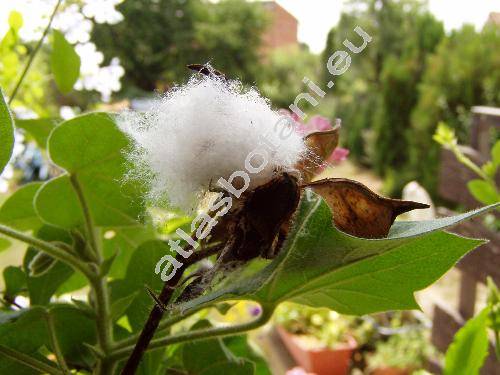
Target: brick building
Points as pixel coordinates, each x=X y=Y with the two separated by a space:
x=282 y=30
x=493 y=19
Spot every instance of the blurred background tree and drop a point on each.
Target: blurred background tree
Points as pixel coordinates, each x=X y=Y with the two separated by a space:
x=157 y=39
x=463 y=72
x=411 y=77
x=280 y=78
x=228 y=34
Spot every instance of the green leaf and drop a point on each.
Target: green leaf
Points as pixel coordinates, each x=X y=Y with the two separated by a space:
x=489 y=169
x=223 y=308
x=121 y=305
x=6 y=133
x=107 y=263
x=65 y=63
x=15 y=281
x=74 y=282
x=241 y=367
x=15 y=20
x=323 y=267
x=198 y=355
x=27 y=334
x=4 y=243
x=43 y=287
x=172 y=224
x=56 y=203
x=495 y=154
x=212 y=356
x=140 y=272
x=151 y=362
x=445 y=135
x=84 y=307
x=483 y=191
x=18 y=211
x=469 y=348
x=39 y=129
x=240 y=347
x=72 y=340
x=90 y=148
x=123 y=242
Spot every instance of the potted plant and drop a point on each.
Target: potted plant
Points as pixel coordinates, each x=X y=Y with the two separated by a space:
x=320 y=341
x=401 y=354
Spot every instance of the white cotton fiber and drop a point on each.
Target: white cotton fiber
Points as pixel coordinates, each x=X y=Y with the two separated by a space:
x=202 y=131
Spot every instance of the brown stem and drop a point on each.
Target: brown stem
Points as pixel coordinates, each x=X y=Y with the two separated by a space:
x=157 y=312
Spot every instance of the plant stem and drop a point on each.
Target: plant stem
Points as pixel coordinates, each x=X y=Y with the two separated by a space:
x=34 y=53
x=29 y=361
x=106 y=367
x=103 y=317
x=157 y=312
x=164 y=324
x=462 y=158
x=203 y=334
x=213 y=332
x=55 y=343
x=152 y=323
x=98 y=283
x=52 y=250
x=89 y=223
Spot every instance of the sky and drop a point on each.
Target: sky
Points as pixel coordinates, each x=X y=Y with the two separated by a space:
x=317 y=17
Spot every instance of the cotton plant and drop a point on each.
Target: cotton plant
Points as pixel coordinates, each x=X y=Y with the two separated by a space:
x=210 y=130
x=263 y=229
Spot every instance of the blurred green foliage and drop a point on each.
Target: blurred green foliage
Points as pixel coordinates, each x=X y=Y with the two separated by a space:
x=322 y=328
x=377 y=95
x=407 y=352
x=13 y=56
x=469 y=349
x=281 y=77
x=157 y=39
x=464 y=71
x=410 y=77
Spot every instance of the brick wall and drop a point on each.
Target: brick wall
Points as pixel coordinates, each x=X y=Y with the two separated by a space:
x=282 y=30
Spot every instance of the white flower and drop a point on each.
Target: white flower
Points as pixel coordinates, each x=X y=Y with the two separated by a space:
x=94 y=76
x=71 y=22
x=103 y=11
x=205 y=130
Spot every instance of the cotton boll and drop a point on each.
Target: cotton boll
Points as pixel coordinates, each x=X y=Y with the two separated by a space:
x=205 y=130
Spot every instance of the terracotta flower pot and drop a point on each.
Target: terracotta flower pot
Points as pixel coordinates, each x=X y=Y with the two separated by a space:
x=319 y=361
